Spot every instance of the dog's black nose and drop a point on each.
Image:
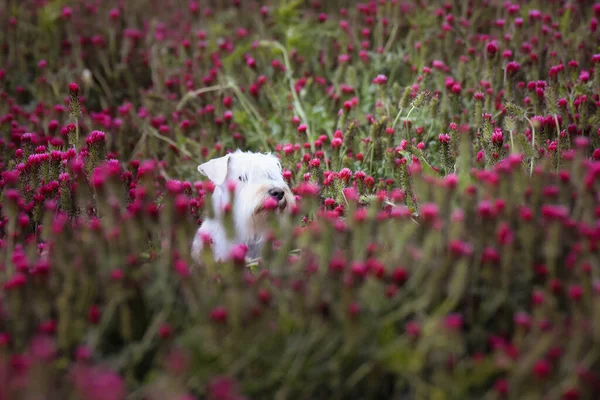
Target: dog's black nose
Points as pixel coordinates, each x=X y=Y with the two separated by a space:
x=276 y=193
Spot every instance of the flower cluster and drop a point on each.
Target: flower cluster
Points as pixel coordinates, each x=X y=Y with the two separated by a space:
x=446 y=161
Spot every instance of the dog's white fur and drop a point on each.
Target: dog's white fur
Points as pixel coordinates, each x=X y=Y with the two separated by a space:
x=254 y=175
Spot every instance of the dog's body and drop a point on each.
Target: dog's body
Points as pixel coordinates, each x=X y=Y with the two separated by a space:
x=252 y=179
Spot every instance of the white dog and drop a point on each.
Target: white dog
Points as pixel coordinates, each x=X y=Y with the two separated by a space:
x=257 y=177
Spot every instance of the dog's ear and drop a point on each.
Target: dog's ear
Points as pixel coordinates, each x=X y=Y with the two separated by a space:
x=215 y=169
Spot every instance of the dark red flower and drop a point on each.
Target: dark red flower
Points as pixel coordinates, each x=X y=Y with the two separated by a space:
x=219 y=314
x=541 y=369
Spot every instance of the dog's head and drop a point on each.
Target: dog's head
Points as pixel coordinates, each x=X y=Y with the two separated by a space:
x=256 y=176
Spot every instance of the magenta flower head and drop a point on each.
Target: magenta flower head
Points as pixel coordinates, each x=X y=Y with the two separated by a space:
x=114 y=14
x=95 y=137
x=444 y=138
x=97 y=383
x=453 y=322
x=270 y=204
x=174 y=186
x=413 y=329
x=219 y=315
x=73 y=89
x=501 y=387
x=307 y=189
x=429 y=212
x=513 y=67
x=66 y=13
x=345 y=175
x=43 y=348
x=497 y=138
x=541 y=369
x=238 y=254
x=223 y=387
x=380 y=79
x=491 y=48
x=16 y=281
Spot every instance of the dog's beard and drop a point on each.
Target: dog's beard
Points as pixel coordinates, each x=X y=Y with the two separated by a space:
x=262 y=196
x=288 y=201
x=252 y=217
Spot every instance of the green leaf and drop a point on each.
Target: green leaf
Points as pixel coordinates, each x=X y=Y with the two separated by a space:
x=524 y=145
x=565 y=20
x=459 y=280
x=475 y=377
x=491 y=304
x=351 y=78
x=386 y=335
x=319 y=109
x=240 y=117
x=402 y=358
x=287 y=11
x=366 y=198
x=437 y=394
x=275 y=128
x=49 y=14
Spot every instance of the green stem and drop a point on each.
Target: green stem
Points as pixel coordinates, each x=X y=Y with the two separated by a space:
x=251 y=110
x=532 y=145
x=195 y=93
x=405 y=119
x=557 y=142
x=391 y=37
x=288 y=73
x=76 y=134
x=157 y=135
x=398 y=117
x=512 y=141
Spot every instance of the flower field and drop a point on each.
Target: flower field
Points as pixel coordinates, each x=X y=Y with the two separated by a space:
x=445 y=158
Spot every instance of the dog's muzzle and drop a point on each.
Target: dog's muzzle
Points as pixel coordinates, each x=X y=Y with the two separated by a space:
x=276 y=193
x=279 y=195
